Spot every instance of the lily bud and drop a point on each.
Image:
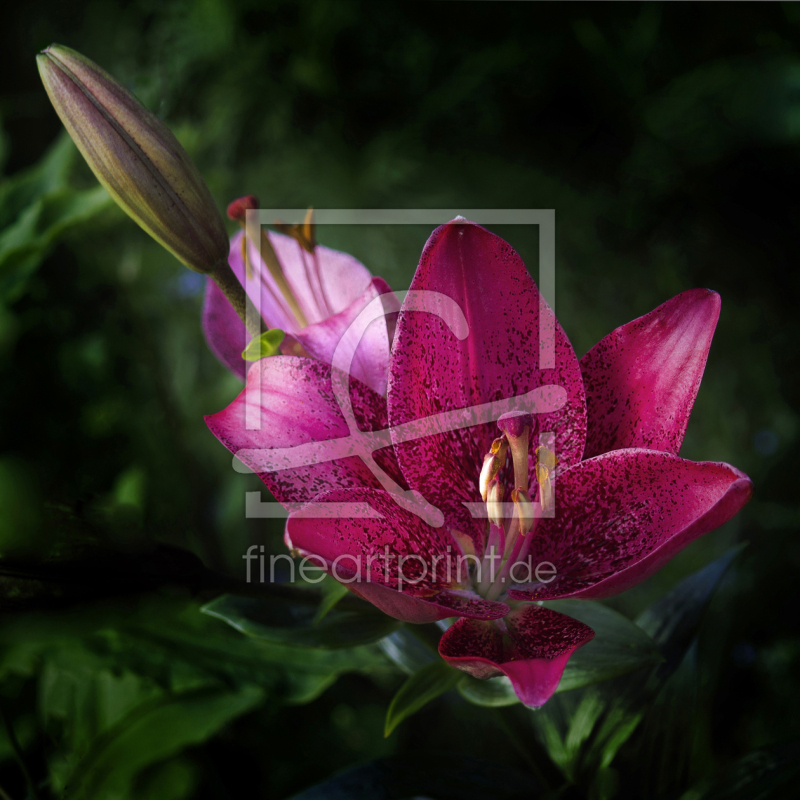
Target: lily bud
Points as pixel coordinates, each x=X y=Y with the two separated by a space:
x=136 y=158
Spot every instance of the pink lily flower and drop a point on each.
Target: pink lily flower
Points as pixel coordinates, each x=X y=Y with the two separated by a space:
x=313 y=296
x=580 y=494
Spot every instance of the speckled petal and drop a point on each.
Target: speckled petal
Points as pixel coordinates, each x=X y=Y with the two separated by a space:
x=620 y=516
x=642 y=379
x=343 y=277
x=294 y=404
x=394 y=560
x=433 y=371
x=532 y=654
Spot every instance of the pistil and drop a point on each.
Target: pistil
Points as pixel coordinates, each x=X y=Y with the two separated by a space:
x=517 y=430
x=509 y=539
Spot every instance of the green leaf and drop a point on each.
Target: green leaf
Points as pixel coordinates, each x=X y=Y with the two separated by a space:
x=332 y=593
x=154 y=731
x=283 y=621
x=25 y=243
x=406 y=650
x=492 y=693
x=49 y=174
x=264 y=346
x=667 y=736
x=674 y=619
x=418 y=690
x=671 y=624
x=619 y=645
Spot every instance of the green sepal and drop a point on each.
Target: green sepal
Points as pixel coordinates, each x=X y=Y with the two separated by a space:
x=264 y=346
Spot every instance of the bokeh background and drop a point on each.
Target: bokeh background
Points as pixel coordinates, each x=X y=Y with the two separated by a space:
x=666 y=139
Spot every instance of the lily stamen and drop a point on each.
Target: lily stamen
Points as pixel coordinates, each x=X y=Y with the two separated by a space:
x=305 y=235
x=493 y=462
x=237 y=211
x=545 y=463
x=494 y=502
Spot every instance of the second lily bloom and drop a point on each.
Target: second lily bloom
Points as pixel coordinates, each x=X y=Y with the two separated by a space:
x=310 y=292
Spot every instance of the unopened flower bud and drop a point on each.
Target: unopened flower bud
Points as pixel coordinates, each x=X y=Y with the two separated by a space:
x=136 y=158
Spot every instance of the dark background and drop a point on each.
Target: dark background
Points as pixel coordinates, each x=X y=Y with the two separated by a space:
x=664 y=136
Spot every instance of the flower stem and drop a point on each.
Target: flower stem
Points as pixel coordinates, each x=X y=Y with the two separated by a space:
x=229 y=285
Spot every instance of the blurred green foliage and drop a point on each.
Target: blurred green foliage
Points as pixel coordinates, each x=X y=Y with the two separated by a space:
x=666 y=138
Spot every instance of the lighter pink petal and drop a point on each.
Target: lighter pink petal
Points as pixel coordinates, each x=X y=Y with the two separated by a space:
x=433 y=371
x=620 y=516
x=325 y=284
x=642 y=379
x=394 y=559
x=225 y=333
x=363 y=351
x=532 y=654
x=293 y=404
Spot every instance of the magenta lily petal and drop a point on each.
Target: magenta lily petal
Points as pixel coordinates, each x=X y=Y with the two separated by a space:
x=394 y=559
x=323 y=288
x=642 y=379
x=294 y=404
x=532 y=654
x=367 y=355
x=432 y=371
x=620 y=516
x=419 y=610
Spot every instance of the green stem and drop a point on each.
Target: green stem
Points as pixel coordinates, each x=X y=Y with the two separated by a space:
x=229 y=285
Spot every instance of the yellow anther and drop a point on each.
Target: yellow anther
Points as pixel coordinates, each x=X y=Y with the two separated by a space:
x=546 y=457
x=499 y=446
x=523 y=510
x=545 y=463
x=493 y=462
x=304 y=234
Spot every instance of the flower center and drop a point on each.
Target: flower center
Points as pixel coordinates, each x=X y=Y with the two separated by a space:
x=511 y=524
